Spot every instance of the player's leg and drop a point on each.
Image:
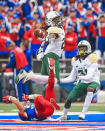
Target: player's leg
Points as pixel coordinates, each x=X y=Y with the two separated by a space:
x=41 y=79
x=43 y=107
x=77 y=92
x=50 y=93
x=57 y=69
x=90 y=91
x=44 y=67
x=45 y=64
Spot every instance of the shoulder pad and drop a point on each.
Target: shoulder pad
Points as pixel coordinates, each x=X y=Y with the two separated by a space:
x=72 y=60
x=54 y=30
x=93 y=58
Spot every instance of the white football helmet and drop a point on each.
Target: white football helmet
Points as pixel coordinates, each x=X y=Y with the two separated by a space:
x=50 y=18
x=84 y=43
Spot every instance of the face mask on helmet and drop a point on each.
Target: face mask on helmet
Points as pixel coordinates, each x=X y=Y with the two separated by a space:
x=84 y=48
x=57 y=21
x=53 y=19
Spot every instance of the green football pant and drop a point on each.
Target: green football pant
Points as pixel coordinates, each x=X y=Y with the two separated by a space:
x=45 y=65
x=78 y=91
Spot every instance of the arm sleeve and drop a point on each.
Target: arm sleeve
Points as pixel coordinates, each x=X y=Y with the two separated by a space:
x=12 y=62
x=90 y=72
x=71 y=77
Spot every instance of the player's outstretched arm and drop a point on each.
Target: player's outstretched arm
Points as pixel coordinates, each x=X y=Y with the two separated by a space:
x=15 y=101
x=27 y=97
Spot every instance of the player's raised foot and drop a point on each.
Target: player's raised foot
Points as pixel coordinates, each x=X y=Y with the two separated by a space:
x=27 y=77
x=20 y=76
x=55 y=105
x=81 y=116
x=51 y=63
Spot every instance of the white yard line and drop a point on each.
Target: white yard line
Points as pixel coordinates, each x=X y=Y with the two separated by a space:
x=55 y=113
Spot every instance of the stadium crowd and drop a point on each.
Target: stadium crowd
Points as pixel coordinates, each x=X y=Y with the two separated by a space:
x=82 y=20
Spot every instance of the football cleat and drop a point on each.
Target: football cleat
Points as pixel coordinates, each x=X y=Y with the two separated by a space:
x=20 y=76
x=27 y=77
x=81 y=116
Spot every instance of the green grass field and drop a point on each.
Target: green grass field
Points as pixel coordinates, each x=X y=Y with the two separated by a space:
x=76 y=107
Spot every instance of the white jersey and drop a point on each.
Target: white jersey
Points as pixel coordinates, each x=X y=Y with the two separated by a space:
x=86 y=71
x=56 y=45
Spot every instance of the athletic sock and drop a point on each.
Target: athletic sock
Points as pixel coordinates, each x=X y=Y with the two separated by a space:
x=65 y=111
x=88 y=100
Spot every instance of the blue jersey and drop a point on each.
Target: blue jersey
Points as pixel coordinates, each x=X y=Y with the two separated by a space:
x=31 y=114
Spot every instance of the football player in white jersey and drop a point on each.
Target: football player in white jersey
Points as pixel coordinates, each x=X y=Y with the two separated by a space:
x=55 y=39
x=85 y=70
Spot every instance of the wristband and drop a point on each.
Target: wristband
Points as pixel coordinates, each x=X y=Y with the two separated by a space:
x=31 y=97
x=9 y=98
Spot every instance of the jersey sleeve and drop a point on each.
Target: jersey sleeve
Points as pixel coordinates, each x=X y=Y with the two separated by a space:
x=71 y=77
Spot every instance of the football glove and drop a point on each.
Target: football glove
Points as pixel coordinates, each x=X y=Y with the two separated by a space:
x=7 y=99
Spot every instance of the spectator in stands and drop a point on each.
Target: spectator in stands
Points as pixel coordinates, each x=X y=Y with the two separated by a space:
x=3 y=36
x=92 y=31
x=44 y=8
x=80 y=8
x=70 y=4
x=17 y=61
x=101 y=33
x=18 y=10
x=55 y=5
x=82 y=28
x=3 y=8
x=15 y=29
x=10 y=14
x=72 y=19
x=96 y=7
x=29 y=23
x=37 y=17
x=26 y=8
x=35 y=44
x=70 y=42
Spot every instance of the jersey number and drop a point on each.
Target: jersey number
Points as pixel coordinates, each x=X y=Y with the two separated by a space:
x=82 y=72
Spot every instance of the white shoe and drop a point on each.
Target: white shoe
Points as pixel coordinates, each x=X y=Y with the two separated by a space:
x=20 y=76
x=81 y=116
x=62 y=118
x=27 y=77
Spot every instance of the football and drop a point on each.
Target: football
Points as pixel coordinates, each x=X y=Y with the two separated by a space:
x=39 y=33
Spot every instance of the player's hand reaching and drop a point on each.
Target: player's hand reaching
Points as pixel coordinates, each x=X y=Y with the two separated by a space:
x=40 y=50
x=25 y=97
x=40 y=53
x=7 y=99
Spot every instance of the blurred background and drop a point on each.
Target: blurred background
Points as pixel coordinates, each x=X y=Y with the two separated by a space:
x=84 y=18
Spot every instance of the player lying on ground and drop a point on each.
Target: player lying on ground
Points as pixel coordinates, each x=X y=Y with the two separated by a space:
x=85 y=69
x=43 y=107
